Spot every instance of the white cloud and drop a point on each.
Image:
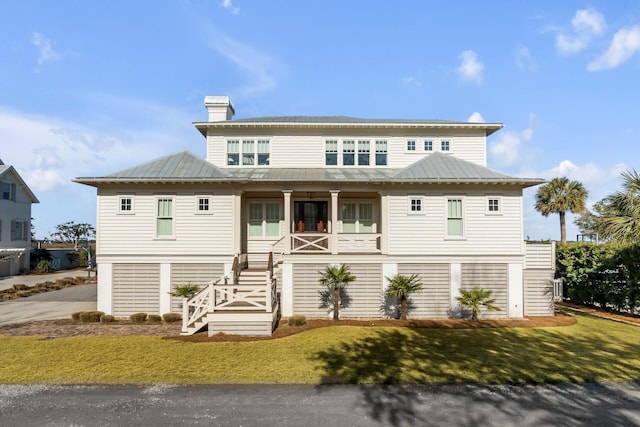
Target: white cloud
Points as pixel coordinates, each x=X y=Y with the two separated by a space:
x=505 y=150
x=47 y=53
x=470 y=70
x=626 y=42
x=476 y=117
x=228 y=4
x=524 y=59
x=586 y=24
x=412 y=81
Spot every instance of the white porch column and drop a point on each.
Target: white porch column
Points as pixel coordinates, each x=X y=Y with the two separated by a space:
x=105 y=288
x=516 y=291
x=237 y=222
x=287 y=221
x=334 y=221
x=165 y=288
x=455 y=275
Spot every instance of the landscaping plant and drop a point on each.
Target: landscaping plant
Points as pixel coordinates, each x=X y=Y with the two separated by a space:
x=336 y=278
x=476 y=298
x=401 y=286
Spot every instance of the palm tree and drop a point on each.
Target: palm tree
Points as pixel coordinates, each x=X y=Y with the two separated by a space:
x=336 y=278
x=475 y=298
x=621 y=220
x=559 y=196
x=401 y=286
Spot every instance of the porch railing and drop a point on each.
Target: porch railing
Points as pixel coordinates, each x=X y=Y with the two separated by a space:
x=557 y=290
x=359 y=242
x=310 y=242
x=199 y=305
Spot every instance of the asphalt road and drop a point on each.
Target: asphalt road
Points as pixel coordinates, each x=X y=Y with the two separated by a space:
x=616 y=404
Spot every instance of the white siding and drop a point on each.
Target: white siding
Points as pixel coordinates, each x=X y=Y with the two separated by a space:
x=538 y=292
x=492 y=277
x=426 y=233
x=540 y=256
x=136 y=289
x=197 y=274
x=433 y=300
x=135 y=233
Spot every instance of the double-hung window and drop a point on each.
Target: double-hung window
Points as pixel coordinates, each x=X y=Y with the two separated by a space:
x=164 y=226
x=381 y=153
x=348 y=152
x=233 y=153
x=454 y=218
x=331 y=153
x=248 y=154
x=264 y=220
x=364 y=151
x=8 y=191
x=357 y=218
x=19 y=230
x=263 y=152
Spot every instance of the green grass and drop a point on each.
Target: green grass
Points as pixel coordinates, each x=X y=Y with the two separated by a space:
x=591 y=350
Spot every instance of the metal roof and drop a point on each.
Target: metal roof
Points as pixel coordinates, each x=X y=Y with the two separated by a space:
x=340 y=119
x=186 y=167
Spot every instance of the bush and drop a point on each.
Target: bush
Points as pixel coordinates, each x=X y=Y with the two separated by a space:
x=22 y=294
x=43 y=266
x=172 y=317
x=297 y=320
x=138 y=317
x=76 y=316
x=20 y=287
x=91 y=316
x=154 y=318
x=107 y=318
x=185 y=291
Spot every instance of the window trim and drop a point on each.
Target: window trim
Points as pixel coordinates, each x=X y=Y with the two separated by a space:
x=172 y=236
x=254 y=154
x=419 y=198
x=424 y=145
x=209 y=210
x=448 y=145
x=410 y=146
x=379 y=143
x=488 y=200
x=123 y=197
x=463 y=226
x=334 y=151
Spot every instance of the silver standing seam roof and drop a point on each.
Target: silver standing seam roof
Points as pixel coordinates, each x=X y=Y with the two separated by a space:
x=186 y=167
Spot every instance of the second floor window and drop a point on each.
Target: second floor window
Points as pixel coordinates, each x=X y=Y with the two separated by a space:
x=249 y=153
x=164 y=226
x=8 y=191
x=348 y=153
x=20 y=230
x=454 y=218
x=381 y=153
x=411 y=145
x=428 y=146
x=363 y=153
x=331 y=153
x=263 y=152
x=126 y=205
x=233 y=153
x=444 y=145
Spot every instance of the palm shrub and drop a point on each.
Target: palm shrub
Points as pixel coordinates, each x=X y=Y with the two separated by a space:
x=187 y=290
x=475 y=298
x=401 y=286
x=336 y=278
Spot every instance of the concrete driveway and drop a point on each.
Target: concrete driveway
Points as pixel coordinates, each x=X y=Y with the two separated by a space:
x=49 y=305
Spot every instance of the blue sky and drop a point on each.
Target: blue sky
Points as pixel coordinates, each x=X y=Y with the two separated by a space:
x=88 y=88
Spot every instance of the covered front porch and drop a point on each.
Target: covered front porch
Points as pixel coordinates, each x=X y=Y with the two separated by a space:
x=315 y=222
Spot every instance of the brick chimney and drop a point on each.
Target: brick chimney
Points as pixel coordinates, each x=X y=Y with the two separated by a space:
x=220 y=108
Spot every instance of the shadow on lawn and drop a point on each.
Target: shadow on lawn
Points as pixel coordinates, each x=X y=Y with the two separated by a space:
x=491 y=356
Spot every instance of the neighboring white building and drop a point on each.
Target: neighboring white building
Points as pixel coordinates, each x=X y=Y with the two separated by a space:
x=383 y=196
x=15 y=222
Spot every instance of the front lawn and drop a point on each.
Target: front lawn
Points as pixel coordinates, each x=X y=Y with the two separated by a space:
x=590 y=350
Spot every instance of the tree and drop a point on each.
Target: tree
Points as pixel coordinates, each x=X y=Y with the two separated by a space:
x=621 y=219
x=336 y=278
x=475 y=298
x=70 y=232
x=401 y=287
x=559 y=196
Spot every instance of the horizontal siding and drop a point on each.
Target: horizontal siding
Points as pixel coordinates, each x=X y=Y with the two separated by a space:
x=364 y=294
x=540 y=256
x=492 y=277
x=538 y=292
x=197 y=274
x=433 y=301
x=483 y=234
x=255 y=328
x=136 y=234
x=136 y=289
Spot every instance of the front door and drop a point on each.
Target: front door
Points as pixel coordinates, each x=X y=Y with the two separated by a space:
x=310 y=217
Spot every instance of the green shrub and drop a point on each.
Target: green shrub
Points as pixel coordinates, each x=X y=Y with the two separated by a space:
x=91 y=316
x=172 y=317
x=297 y=320
x=107 y=318
x=22 y=294
x=138 y=317
x=20 y=287
x=155 y=318
x=185 y=291
x=76 y=316
x=43 y=266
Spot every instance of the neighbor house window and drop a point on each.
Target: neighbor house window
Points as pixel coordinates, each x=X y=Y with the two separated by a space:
x=263 y=152
x=331 y=153
x=233 y=153
x=493 y=205
x=428 y=146
x=248 y=154
x=357 y=218
x=363 y=153
x=125 y=205
x=8 y=191
x=444 y=145
x=165 y=217
x=19 y=230
x=454 y=218
x=415 y=204
x=203 y=205
x=381 y=153
x=411 y=145
x=264 y=220
x=348 y=153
